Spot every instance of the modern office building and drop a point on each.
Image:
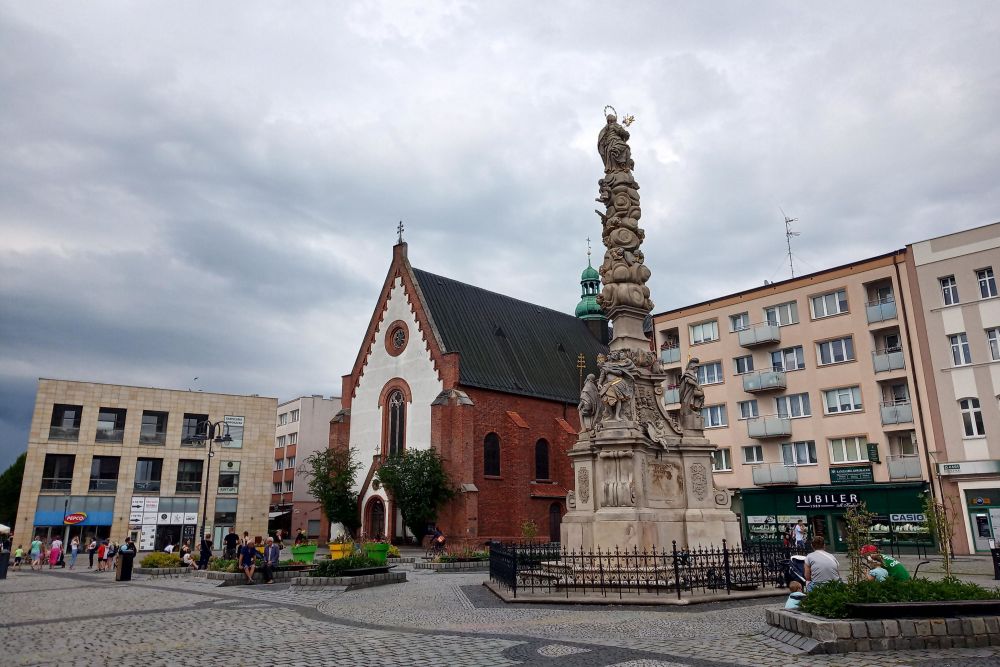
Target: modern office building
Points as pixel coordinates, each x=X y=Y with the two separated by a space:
x=109 y=461
x=303 y=427
x=810 y=395
x=958 y=313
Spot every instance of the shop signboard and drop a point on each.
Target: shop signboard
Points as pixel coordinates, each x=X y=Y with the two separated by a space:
x=852 y=475
x=806 y=501
x=176 y=518
x=147 y=538
x=970 y=468
x=791 y=518
x=150 y=505
x=907 y=518
x=74 y=518
x=135 y=511
x=190 y=517
x=235 y=430
x=873 y=452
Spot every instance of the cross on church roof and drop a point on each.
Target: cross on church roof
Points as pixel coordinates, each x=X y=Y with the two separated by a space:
x=399 y=230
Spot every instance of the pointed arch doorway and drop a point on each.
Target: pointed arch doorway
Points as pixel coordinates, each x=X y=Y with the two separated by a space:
x=555 y=521
x=375 y=519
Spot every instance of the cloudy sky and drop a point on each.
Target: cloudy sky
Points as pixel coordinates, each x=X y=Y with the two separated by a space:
x=212 y=189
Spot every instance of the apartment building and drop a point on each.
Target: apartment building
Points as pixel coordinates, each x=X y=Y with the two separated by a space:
x=811 y=397
x=958 y=314
x=110 y=460
x=302 y=428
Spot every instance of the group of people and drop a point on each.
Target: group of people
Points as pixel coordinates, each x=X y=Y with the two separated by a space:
x=56 y=554
x=244 y=550
x=821 y=566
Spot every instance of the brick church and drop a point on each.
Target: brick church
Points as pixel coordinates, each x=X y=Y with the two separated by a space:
x=489 y=381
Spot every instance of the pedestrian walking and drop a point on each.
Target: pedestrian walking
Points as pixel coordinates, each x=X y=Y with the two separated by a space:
x=74 y=550
x=205 y=551
x=36 y=553
x=55 y=552
x=272 y=553
x=102 y=550
x=800 y=532
x=248 y=560
x=18 y=557
x=91 y=550
x=230 y=543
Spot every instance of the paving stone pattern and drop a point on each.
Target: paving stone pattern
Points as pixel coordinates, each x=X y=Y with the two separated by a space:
x=86 y=618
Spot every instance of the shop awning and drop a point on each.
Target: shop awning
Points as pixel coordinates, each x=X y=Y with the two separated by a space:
x=275 y=515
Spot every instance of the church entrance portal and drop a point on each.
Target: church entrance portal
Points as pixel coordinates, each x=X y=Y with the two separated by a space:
x=555 y=520
x=376 y=518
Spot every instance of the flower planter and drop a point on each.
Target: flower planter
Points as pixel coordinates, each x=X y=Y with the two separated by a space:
x=377 y=552
x=304 y=552
x=340 y=550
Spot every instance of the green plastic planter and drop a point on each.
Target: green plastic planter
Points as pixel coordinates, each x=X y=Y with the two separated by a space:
x=304 y=552
x=377 y=552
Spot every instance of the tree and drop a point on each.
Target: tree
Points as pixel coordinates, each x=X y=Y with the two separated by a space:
x=419 y=486
x=858 y=522
x=941 y=523
x=10 y=490
x=331 y=475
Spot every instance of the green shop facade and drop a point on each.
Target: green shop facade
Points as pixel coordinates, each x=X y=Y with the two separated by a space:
x=769 y=513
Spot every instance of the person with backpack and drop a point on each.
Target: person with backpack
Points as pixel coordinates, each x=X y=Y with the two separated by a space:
x=205 y=551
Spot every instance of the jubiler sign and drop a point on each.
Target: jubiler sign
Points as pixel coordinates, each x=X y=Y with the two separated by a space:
x=804 y=501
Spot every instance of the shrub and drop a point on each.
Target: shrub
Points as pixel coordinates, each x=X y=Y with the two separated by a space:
x=223 y=565
x=393 y=551
x=157 y=560
x=831 y=599
x=336 y=568
x=463 y=556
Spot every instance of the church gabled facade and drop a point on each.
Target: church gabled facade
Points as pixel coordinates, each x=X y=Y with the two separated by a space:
x=489 y=381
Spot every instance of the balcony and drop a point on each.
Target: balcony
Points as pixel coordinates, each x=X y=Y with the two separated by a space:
x=671 y=396
x=153 y=438
x=764 y=381
x=772 y=474
x=109 y=485
x=904 y=467
x=898 y=412
x=888 y=360
x=670 y=355
x=70 y=433
x=771 y=426
x=881 y=310
x=110 y=435
x=760 y=334
x=57 y=483
x=147 y=485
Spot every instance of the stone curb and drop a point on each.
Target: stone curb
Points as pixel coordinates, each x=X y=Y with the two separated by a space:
x=467 y=566
x=352 y=583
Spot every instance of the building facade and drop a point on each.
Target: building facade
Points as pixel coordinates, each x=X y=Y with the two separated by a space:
x=110 y=460
x=811 y=396
x=958 y=311
x=302 y=428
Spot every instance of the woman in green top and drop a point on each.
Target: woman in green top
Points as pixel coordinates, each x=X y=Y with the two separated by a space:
x=18 y=557
x=895 y=569
x=36 y=553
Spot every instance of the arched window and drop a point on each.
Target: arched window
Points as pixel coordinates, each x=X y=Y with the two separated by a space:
x=541 y=459
x=491 y=455
x=396 y=406
x=972 y=417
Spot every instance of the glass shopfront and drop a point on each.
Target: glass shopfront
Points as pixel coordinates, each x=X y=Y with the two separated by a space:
x=983 y=509
x=768 y=514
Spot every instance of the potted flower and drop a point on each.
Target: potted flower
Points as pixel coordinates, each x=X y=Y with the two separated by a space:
x=304 y=551
x=341 y=547
x=377 y=549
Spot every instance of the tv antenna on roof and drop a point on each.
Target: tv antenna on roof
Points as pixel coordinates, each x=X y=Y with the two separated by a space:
x=788 y=238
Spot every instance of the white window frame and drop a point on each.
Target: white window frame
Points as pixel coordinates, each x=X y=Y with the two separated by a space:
x=289 y=485
x=279 y=441
x=282 y=419
x=715 y=416
x=987 y=283
x=699 y=330
x=993 y=340
x=949 y=290
x=829 y=304
x=852 y=396
x=716 y=377
x=809 y=447
x=844 y=346
x=722 y=460
x=852 y=444
x=782 y=314
x=751 y=413
x=293 y=438
x=275 y=487
x=294 y=416
x=791 y=403
x=758 y=454
x=798 y=353
x=290 y=462
x=961 y=354
x=279 y=464
x=739 y=321
x=748 y=358
x=971 y=409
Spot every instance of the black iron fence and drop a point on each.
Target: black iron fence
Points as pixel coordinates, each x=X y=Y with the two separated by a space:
x=548 y=569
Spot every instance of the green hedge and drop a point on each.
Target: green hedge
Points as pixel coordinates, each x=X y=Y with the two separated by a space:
x=158 y=560
x=223 y=565
x=335 y=568
x=831 y=599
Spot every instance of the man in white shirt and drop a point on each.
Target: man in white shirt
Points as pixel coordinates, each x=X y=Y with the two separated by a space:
x=800 y=532
x=169 y=548
x=821 y=566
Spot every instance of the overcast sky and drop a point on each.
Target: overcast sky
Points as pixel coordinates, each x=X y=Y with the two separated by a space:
x=212 y=189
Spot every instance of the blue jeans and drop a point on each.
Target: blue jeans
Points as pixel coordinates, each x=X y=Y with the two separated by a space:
x=72 y=558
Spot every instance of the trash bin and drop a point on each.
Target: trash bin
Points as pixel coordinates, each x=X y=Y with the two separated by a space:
x=996 y=563
x=4 y=563
x=123 y=566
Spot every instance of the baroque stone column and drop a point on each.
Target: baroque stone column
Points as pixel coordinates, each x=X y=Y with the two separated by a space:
x=643 y=478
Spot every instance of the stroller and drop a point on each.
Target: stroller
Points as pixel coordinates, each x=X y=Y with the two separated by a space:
x=795 y=570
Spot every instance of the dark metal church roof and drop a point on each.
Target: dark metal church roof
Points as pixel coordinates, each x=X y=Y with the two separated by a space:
x=506 y=344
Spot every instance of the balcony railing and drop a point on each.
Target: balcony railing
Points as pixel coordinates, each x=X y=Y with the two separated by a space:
x=670 y=355
x=770 y=474
x=112 y=435
x=57 y=483
x=888 y=360
x=904 y=467
x=104 y=485
x=71 y=433
x=760 y=334
x=881 y=310
x=188 y=487
x=147 y=485
x=897 y=412
x=671 y=396
x=158 y=438
x=764 y=381
x=771 y=426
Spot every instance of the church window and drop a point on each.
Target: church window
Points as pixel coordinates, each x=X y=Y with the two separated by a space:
x=491 y=455
x=541 y=459
x=396 y=406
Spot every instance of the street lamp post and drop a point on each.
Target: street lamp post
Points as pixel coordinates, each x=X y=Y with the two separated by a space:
x=211 y=437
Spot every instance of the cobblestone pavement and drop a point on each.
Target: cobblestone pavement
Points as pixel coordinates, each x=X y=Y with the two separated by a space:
x=432 y=619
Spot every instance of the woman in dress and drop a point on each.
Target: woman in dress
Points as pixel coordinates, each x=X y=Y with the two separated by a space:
x=55 y=552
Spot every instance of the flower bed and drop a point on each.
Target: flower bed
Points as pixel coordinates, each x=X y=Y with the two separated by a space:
x=159 y=560
x=835 y=600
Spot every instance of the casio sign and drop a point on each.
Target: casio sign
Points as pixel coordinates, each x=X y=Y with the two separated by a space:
x=907 y=518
